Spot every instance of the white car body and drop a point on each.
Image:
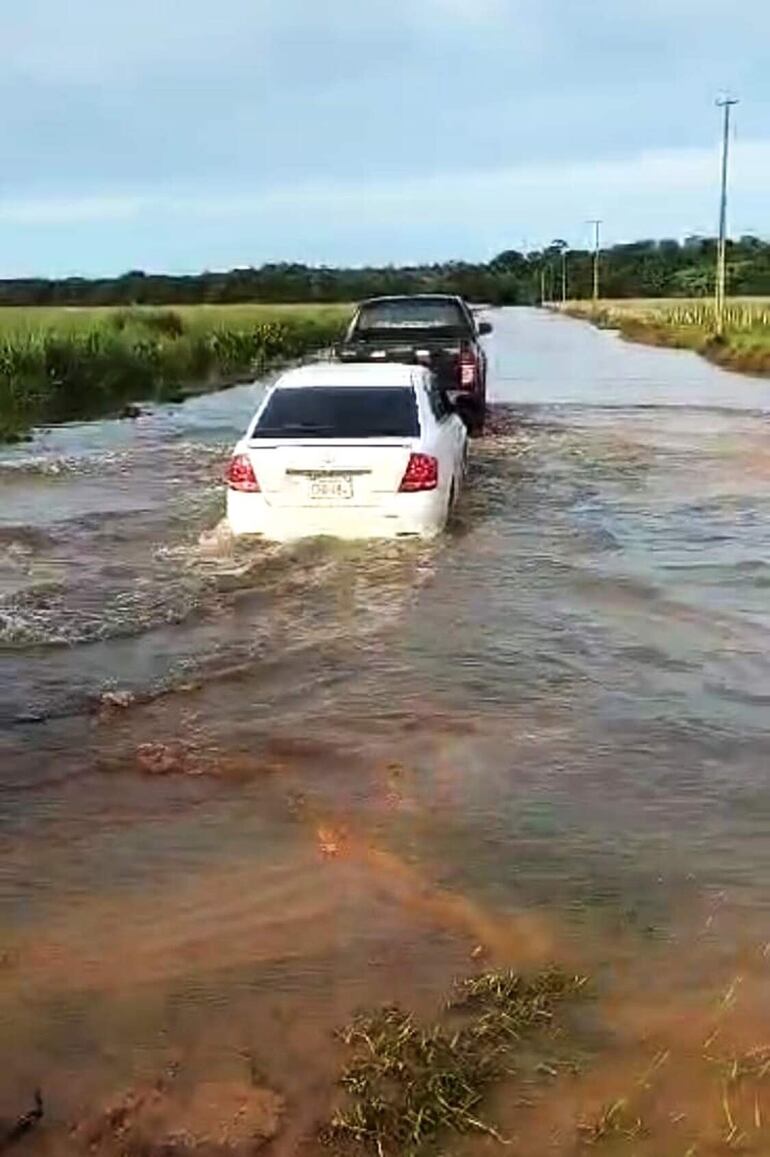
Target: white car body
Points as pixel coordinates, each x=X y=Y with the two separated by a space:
x=298 y=486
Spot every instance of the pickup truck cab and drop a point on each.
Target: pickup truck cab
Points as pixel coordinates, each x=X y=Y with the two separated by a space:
x=436 y=330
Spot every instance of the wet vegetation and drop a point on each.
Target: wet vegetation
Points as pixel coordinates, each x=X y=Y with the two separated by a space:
x=60 y=366
x=616 y=1121
x=406 y=1083
x=744 y=346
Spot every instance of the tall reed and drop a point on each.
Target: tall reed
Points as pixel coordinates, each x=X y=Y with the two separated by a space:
x=54 y=375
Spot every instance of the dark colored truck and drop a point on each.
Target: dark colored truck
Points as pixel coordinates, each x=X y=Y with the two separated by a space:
x=438 y=330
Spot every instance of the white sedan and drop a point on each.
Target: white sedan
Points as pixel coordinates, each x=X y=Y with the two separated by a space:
x=353 y=451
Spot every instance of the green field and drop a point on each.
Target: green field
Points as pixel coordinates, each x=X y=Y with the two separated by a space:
x=59 y=363
x=690 y=324
x=66 y=319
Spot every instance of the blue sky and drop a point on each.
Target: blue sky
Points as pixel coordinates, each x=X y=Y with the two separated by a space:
x=187 y=134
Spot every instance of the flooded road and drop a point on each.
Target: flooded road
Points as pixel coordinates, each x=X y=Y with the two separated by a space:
x=246 y=790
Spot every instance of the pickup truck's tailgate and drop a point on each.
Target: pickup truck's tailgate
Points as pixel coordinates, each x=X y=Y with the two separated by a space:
x=443 y=360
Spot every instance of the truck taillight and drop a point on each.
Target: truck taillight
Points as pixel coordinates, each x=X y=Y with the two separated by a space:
x=421 y=474
x=240 y=475
x=468 y=369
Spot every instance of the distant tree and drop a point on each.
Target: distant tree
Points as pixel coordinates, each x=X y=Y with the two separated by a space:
x=636 y=269
x=510 y=260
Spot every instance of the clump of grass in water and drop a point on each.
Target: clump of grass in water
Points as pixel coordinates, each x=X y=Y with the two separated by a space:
x=754 y=1064
x=616 y=1120
x=407 y=1083
x=620 y=1120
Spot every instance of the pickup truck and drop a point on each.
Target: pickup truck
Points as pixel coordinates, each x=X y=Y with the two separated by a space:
x=437 y=330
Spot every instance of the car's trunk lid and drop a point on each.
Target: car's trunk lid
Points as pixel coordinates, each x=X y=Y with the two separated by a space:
x=333 y=472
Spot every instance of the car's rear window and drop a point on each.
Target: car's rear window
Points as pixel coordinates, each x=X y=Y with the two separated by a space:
x=412 y=313
x=339 y=412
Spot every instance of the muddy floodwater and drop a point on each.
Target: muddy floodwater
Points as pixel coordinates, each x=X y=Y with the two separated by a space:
x=245 y=791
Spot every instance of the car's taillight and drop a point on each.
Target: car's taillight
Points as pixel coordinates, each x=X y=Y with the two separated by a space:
x=240 y=474
x=421 y=473
x=468 y=368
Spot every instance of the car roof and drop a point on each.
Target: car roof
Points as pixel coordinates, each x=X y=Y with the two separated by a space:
x=352 y=374
x=454 y=297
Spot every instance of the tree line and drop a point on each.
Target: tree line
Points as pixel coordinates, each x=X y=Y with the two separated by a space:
x=667 y=268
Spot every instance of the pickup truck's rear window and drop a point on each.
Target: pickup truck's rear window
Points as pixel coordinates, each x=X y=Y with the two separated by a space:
x=411 y=313
x=339 y=412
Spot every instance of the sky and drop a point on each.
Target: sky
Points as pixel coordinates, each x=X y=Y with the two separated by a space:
x=178 y=135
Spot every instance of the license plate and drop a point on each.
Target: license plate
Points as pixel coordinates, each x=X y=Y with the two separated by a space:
x=326 y=489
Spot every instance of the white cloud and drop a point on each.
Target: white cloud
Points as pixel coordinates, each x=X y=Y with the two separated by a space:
x=462 y=214
x=42 y=211
x=88 y=42
x=676 y=186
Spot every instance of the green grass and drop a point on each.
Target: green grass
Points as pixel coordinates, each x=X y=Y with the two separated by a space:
x=690 y=324
x=66 y=319
x=407 y=1083
x=62 y=364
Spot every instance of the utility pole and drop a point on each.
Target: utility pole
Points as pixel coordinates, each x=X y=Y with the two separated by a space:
x=596 y=222
x=725 y=103
x=559 y=247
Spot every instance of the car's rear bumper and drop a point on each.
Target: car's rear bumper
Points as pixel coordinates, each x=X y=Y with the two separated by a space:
x=423 y=515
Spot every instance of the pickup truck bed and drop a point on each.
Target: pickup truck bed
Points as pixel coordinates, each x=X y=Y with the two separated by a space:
x=434 y=330
x=441 y=358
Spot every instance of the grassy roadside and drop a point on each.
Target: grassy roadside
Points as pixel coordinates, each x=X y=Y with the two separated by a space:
x=64 y=364
x=745 y=346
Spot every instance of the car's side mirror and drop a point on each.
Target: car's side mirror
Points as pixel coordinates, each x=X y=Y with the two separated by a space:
x=485 y=327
